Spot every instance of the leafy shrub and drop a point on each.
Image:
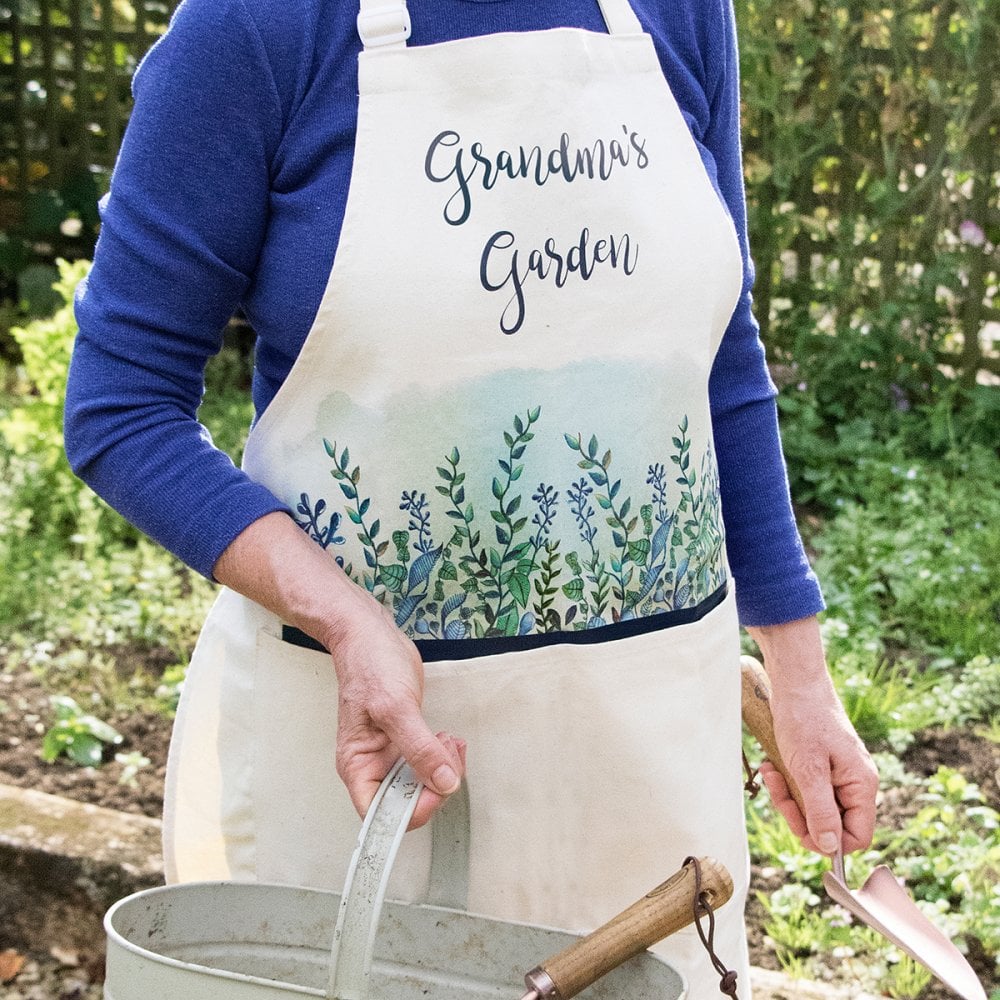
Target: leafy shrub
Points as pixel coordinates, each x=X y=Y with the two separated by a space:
x=919 y=562
x=870 y=133
x=84 y=597
x=110 y=619
x=45 y=511
x=46 y=344
x=958 y=694
x=885 y=702
x=838 y=453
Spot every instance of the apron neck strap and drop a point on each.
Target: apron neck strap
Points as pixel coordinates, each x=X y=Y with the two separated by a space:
x=619 y=17
x=386 y=23
x=383 y=24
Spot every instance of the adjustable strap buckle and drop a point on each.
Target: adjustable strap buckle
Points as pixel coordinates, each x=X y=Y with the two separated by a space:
x=387 y=24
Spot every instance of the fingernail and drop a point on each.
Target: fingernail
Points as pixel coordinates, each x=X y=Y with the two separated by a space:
x=445 y=780
x=828 y=843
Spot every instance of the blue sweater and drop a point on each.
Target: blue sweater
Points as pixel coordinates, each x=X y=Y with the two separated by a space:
x=229 y=192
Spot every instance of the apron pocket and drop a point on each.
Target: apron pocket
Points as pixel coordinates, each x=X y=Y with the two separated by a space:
x=304 y=821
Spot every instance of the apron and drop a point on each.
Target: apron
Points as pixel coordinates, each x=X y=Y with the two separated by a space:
x=499 y=425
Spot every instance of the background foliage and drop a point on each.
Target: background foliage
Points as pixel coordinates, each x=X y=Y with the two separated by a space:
x=65 y=73
x=871 y=136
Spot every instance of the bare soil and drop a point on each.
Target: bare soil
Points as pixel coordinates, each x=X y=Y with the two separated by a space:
x=25 y=715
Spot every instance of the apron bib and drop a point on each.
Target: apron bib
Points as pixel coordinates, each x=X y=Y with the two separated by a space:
x=499 y=425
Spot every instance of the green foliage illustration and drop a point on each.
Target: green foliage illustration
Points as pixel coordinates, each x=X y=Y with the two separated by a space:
x=554 y=557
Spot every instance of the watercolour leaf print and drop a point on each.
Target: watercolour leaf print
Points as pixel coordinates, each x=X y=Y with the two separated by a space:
x=482 y=554
x=310 y=522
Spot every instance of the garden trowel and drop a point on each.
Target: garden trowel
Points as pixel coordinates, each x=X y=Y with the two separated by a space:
x=882 y=902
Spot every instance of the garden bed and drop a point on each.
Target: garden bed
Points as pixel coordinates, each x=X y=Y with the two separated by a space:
x=25 y=714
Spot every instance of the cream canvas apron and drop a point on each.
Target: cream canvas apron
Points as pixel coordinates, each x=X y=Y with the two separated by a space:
x=499 y=425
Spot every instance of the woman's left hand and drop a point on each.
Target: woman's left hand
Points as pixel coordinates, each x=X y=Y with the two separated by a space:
x=825 y=757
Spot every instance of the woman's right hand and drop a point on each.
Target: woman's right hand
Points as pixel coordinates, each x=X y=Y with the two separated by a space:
x=380 y=675
x=380 y=691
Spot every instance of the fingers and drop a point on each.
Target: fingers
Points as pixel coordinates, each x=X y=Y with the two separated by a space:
x=823 y=820
x=380 y=691
x=436 y=761
x=839 y=803
x=857 y=797
x=782 y=800
x=813 y=816
x=430 y=801
x=859 y=829
x=840 y=798
x=371 y=737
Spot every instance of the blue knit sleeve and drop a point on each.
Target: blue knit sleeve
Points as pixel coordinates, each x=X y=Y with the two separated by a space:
x=181 y=231
x=774 y=582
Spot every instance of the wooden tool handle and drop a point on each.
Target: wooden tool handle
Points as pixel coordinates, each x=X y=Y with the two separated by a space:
x=664 y=910
x=758 y=719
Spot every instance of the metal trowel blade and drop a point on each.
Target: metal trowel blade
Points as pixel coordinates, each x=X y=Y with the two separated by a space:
x=885 y=905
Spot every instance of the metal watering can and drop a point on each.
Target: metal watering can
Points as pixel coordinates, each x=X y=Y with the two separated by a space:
x=250 y=941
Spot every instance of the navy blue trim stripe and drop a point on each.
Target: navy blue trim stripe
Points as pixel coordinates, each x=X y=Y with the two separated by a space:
x=468 y=649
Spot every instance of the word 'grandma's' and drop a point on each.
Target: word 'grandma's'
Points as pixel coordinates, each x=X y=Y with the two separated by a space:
x=448 y=160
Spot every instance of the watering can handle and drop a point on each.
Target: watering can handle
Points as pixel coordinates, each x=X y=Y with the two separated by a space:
x=371 y=865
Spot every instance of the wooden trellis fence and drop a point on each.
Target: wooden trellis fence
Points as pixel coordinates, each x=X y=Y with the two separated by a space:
x=65 y=72
x=871 y=138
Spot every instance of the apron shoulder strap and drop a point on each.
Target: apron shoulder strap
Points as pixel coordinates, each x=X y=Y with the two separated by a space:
x=620 y=17
x=383 y=23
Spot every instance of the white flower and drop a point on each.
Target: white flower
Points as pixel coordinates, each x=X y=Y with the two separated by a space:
x=71 y=227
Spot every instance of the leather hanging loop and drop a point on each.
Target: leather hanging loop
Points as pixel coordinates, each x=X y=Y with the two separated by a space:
x=702 y=907
x=751 y=785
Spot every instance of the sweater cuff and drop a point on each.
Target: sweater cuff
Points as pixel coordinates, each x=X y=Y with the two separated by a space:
x=789 y=599
x=253 y=503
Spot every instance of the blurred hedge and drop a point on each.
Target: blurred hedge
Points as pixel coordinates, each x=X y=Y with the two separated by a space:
x=871 y=134
x=65 y=75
